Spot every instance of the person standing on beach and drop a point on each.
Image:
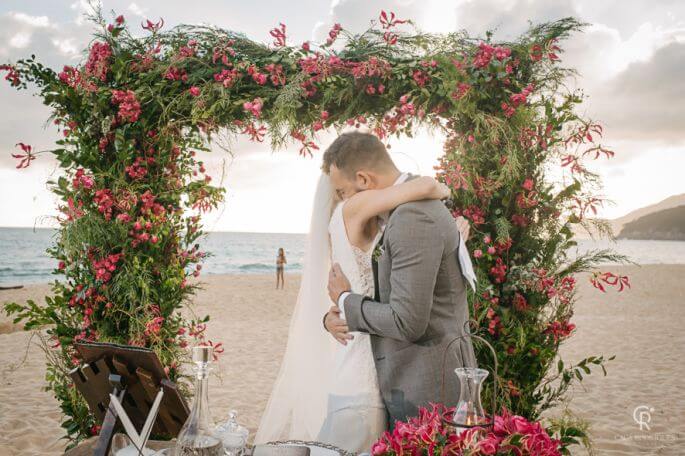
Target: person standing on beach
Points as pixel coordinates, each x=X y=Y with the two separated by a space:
x=280 y=265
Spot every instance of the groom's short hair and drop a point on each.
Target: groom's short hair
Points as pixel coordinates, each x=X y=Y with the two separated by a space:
x=355 y=150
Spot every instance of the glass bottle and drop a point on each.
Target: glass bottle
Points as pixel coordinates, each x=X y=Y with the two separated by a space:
x=469 y=411
x=197 y=434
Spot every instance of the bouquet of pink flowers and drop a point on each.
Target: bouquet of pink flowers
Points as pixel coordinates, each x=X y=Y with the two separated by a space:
x=428 y=434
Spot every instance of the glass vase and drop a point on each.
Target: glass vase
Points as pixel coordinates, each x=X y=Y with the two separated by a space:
x=469 y=411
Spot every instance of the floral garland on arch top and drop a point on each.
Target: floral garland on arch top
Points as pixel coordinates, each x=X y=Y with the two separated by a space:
x=133 y=189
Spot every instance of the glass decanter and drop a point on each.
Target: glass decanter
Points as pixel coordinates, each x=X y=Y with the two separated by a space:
x=197 y=434
x=469 y=411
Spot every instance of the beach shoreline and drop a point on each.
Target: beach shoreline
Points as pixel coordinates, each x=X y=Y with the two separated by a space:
x=641 y=326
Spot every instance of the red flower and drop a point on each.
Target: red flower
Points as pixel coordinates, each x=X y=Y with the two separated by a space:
x=153 y=26
x=129 y=107
x=390 y=38
x=12 y=75
x=499 y=271
x=420 y=77
x=194 y=91
x=599 y=279
x=483 y=56
x=26 y=157
x=520 y=302
x=176 y=74
x=227 y=77
x=279 y=35
x=254 y=107
x=559 y=329
x=536 y=53
x=462 y=89
x=333 y=34
x=256 y=133
x=389 y=21
x=97 y=65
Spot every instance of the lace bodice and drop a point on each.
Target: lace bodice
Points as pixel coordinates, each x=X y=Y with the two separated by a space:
x=354 y=262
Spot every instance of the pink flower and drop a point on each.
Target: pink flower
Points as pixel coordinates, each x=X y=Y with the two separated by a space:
x=502 y=53
x=483 y=56
x=153 y=26
x=491 y=250
x=462 y=89
x=97 y=65
x=26 y=157
x=388 y=21
x=333 y=34
x=227 y=77
x=379 y=448
x=254 y=107
x=305 y=46
x=154 y=326
x=12 y=74
x=477 y=253
x=279 y=35
x=194 y=91
x=528 y=184
x=129 y=107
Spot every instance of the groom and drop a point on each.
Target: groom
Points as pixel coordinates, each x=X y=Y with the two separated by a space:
x=420 y=300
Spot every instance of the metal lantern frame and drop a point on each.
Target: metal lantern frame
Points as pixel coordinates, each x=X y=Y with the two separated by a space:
x=495 y=377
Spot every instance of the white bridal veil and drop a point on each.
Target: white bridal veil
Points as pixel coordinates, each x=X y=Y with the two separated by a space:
x=298 y=403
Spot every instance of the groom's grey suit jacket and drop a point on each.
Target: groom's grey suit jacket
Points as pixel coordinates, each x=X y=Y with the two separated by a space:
x=421 y=306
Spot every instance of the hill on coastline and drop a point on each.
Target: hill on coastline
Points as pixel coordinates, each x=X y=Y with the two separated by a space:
x=617 y=224
x=664 y=225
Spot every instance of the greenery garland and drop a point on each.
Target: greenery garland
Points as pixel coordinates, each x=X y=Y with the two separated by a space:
x=133 y=190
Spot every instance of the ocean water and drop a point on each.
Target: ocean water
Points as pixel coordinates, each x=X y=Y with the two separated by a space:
x=23 y=259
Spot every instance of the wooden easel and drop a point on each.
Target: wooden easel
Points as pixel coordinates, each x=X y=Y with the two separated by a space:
x=134 y=375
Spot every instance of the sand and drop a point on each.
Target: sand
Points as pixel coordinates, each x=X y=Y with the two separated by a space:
x=642 y=327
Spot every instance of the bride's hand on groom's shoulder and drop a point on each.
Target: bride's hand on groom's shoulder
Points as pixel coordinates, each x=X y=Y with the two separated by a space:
x=464 y=228
x=337 y=326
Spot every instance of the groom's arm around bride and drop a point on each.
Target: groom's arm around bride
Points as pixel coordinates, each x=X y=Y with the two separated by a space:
x=419 y=307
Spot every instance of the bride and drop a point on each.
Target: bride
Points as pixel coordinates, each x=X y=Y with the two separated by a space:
x=328 y=391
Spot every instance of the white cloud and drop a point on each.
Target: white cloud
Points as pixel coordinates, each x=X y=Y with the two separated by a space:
x=34 y=21
x=137 y=10
x=20 y=40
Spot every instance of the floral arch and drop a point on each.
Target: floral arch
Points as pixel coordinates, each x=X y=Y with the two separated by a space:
x=133 y=191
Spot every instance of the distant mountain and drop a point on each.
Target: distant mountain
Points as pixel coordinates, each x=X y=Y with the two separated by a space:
x=618 y=223
x=668 y=203
x=665 y=225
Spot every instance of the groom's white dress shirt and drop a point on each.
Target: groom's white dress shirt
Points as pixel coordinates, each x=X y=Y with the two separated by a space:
x=464 y=258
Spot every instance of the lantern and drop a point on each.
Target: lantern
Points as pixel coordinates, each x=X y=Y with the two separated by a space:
x=469 y=411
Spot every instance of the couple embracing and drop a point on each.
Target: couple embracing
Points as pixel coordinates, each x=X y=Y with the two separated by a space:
x=389 y=256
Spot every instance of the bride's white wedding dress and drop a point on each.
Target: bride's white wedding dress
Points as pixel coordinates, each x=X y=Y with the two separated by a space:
x=356 y=416
x=325 y=391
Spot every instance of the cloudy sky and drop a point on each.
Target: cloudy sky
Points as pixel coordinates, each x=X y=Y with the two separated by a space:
x=632 y=61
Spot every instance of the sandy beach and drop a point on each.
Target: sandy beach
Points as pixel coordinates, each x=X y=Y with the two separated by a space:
x=642 y=327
